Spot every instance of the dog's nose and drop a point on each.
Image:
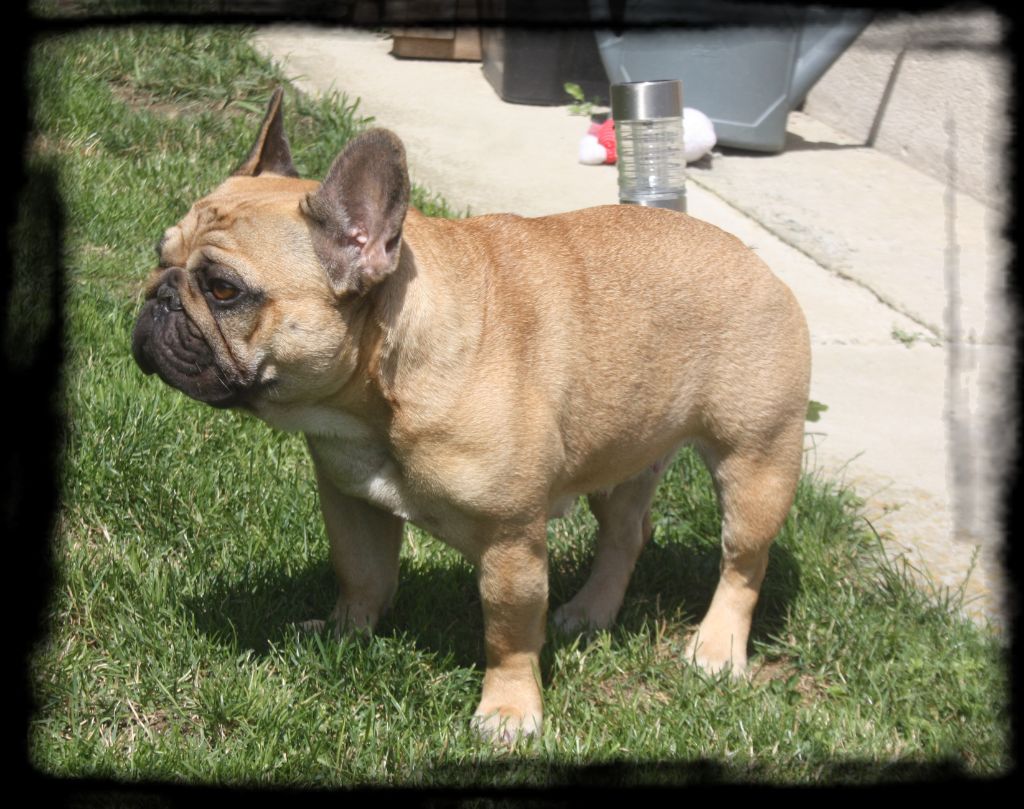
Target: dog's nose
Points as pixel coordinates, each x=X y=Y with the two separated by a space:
x=168 y=295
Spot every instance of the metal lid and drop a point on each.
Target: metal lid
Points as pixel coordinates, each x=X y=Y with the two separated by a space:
x=645 y=100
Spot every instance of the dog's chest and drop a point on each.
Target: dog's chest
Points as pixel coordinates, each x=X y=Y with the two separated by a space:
x=362 y=467
x=359 y=464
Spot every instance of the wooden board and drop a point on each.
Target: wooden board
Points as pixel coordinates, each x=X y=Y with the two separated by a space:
x=462 y=43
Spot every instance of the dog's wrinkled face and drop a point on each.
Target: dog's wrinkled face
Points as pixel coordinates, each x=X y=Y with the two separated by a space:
x=239 y=296
x=250 y=302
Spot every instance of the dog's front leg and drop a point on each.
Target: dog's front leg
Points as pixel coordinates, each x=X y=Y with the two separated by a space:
x=513 y=575
x=365 y=544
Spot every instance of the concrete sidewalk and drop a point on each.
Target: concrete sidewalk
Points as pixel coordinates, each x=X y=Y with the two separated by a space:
x=901 y=280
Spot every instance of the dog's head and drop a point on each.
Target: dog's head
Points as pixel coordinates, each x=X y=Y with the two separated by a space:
x=257 y=287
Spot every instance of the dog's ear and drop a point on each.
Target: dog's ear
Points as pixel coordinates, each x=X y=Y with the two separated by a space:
x=358 y=212
x=270 y=152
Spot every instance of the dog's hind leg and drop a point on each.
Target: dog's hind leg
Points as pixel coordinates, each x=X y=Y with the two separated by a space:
x=624 y=526
x=755 y=492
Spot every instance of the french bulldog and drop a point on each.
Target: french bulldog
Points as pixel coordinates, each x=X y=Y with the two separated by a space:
x=475 y=377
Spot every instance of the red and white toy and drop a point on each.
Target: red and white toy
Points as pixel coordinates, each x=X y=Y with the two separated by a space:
x=598 y=145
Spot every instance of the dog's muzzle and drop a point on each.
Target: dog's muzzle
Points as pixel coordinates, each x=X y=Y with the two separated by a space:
x=167 y=342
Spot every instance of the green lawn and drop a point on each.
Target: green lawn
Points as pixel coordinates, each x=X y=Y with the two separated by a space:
x=189 y=541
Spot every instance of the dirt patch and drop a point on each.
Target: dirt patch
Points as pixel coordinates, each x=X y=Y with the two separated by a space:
x=46 y=146
x=141 y=100
x=642 y=690
x=782 y=670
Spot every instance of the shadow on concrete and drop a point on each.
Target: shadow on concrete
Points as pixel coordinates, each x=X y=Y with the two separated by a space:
x=794 y=143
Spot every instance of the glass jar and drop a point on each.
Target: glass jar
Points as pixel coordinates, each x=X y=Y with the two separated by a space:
x=649 y=141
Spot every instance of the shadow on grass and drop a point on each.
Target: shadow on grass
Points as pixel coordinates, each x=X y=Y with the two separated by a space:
x=525 y=775
x=438 y=605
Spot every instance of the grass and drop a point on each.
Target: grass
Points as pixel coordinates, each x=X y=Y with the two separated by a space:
x=189 y=541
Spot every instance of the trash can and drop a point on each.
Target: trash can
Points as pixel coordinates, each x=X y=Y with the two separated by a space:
x=745 y=67
x=532 y=65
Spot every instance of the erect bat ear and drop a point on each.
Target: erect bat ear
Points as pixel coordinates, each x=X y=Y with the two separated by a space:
x=270 y=152
x=358 y=212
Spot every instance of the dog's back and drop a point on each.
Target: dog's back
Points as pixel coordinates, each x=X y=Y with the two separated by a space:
x=654 y=326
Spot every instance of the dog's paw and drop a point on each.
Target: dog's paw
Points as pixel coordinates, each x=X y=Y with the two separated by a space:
x=356 y=617
x=507 y=725
x=716 y=656
x=575 y=618
x=337 y=628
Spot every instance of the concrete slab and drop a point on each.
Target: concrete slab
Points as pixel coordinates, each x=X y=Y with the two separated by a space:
x=896 y=233
x=463 y=141
x=860 y=238
x=839 y=311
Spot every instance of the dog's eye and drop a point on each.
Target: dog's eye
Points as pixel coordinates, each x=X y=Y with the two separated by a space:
x=222 y=290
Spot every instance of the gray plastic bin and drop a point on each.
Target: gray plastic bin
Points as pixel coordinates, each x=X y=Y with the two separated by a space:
x=747 y=70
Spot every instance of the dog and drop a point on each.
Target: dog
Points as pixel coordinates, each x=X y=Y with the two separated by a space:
x=475 y=377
